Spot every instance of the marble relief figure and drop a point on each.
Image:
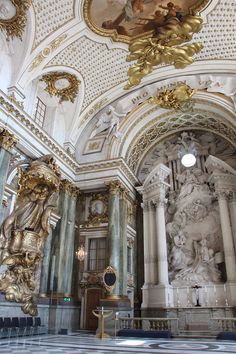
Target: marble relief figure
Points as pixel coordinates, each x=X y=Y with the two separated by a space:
x=194 y=233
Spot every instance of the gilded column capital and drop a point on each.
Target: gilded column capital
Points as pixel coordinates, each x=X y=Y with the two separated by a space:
x=7 y=139
x=124 y=193
x=115 y=187
x=69 y=188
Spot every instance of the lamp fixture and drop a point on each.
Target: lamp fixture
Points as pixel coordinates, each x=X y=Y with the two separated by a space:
x=188 y=160
x=81 y=253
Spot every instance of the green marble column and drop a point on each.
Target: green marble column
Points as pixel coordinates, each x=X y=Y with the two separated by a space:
x=114 y=236
x=44 y=278
x=65 y=254
x=123 y=241
x=7 y=142
x=117 y=236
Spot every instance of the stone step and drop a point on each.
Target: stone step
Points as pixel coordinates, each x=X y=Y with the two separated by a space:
x=196 y=334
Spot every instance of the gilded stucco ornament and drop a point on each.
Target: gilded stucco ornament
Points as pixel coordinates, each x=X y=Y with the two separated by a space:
x=7 y=139
x=98 y=209
x=163 y=47
x=24 y=231
x=177 y=98
x=62 y=84
x=13 y=17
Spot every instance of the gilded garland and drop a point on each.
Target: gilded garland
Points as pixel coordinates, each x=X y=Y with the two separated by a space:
x=62 y=84
x=13 y=17
x=24 y=231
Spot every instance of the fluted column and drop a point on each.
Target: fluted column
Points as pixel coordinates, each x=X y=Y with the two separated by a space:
x=146 y=245
x=230 y=260
x=162 y=262
x=232 y=209
x=7 y=142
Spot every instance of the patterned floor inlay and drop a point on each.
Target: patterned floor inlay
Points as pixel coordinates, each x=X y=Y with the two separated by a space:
x=88 y=344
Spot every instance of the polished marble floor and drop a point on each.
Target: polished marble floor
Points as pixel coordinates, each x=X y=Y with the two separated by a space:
x=87 y=344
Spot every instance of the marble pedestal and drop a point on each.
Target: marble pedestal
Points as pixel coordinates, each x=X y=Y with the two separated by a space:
x=157 y=296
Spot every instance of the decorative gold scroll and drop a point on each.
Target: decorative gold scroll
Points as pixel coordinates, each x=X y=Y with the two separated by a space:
x=67 y=93
x=175 y=98
x=13 y=17
x=24 y=231
x=163 y=48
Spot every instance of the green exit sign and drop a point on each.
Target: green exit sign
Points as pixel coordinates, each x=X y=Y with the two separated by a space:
x=67 y=299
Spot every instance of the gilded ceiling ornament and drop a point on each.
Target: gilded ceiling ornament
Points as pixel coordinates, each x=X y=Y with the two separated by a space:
x=62 y=84
x=24 y=231
x=47 y=51
x=163 y=47
x=176 y=98
x=13 y=17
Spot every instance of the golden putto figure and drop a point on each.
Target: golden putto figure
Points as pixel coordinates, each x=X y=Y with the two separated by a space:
x=23 y=233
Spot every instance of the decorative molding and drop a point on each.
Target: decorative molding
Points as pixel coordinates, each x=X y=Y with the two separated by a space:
x=95 y=108
x=47 y=51
x=13 y=17
x=156 y=129
x=61 y=84
x=25 y=119
x=7 y=140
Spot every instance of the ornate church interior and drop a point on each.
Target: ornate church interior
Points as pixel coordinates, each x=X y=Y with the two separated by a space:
x=118 y=176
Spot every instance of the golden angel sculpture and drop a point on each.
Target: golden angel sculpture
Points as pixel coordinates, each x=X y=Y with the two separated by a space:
x=24 y=231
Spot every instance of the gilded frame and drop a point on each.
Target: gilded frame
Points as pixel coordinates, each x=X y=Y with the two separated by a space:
x=65 y=94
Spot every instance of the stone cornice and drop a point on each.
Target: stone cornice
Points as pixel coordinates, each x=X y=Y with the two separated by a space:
x=108 y=165
x=214 y=164
x=17 y=113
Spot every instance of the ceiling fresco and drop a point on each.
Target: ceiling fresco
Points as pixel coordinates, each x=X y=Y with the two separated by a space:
x=125 y=20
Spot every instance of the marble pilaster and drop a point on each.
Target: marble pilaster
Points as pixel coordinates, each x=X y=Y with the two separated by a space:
x=229 y=252
x=162 y=262
x=232 y=210
x=146 y=246
x=7 y=142
x=152 y=244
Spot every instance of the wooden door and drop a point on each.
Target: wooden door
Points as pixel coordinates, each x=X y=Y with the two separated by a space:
x=93 y=297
